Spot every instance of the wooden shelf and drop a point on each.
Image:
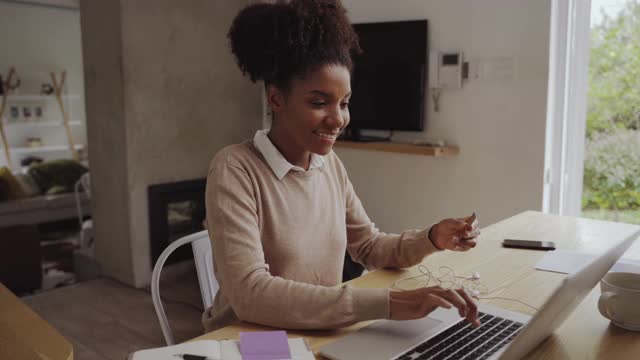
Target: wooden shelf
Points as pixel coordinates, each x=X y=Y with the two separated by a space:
x=57 y=95
x=43 y=149
x=35 y=97
x=401 y=148
x=37 y=123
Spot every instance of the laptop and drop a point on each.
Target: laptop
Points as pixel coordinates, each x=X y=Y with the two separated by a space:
x=503 y=334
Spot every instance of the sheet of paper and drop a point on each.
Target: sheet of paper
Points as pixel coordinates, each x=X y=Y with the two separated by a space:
x=570 y=261
x=214 y=350
x=208 y=348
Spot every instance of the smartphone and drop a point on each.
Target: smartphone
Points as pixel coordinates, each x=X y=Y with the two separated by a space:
x=529 y=244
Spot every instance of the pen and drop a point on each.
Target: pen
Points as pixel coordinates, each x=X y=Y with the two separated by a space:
x=193 y=357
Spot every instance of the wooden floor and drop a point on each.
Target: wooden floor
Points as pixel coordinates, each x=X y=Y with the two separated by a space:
x=105 y=319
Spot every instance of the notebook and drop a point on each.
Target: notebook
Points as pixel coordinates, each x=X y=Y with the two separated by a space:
x=216 y=350
x=264 y=345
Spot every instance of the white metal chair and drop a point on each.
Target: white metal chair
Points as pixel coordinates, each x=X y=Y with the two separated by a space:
x=86 y=226
x=202 y=255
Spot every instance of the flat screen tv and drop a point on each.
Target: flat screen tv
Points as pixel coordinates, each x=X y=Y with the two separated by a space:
x=389 y=78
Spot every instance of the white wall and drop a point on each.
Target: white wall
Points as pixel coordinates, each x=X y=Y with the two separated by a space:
x=38 y=40
x=498 y=123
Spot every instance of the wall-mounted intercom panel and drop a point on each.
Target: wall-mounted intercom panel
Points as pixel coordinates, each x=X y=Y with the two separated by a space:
x=445 y=69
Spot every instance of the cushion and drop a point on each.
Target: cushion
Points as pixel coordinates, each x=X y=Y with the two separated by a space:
x=57 y=175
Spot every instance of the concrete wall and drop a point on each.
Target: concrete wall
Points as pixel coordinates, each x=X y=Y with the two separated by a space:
x=182 y=99
x=101 y=45
x=497 y=121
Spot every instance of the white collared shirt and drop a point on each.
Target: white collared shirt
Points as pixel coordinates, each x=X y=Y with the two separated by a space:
x=278 y=164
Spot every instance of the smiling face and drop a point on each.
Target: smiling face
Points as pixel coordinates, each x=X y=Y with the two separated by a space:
x=310 y=115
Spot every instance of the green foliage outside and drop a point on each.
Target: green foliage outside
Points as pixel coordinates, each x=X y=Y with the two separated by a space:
x=614 y=73
x=612 y=153
x=612 y=171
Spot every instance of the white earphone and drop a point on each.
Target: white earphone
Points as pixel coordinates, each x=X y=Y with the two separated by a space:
x=474 y=292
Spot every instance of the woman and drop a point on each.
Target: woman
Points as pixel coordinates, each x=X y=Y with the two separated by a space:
x=280 y=207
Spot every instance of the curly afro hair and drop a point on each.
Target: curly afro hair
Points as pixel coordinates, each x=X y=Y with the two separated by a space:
x=275 y=42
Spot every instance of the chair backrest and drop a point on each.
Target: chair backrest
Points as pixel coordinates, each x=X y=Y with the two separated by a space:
x=203 y=258
x=85 y=181
x=202 y=254
x=82 y=185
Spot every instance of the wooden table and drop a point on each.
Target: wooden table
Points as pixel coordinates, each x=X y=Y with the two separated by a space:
x=26 y=336
x=510 y=273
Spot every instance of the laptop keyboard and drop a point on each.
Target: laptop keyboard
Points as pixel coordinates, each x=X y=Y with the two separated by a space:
x=463 y=341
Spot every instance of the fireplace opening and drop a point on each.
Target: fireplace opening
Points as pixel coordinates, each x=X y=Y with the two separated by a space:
x=175 y=210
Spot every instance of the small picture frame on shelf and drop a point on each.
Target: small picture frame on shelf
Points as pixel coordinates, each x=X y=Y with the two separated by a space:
x=38 y=112
x=26 y=113
x=14 y=113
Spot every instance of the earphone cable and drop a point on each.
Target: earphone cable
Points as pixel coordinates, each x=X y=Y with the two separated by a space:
x=450 y=280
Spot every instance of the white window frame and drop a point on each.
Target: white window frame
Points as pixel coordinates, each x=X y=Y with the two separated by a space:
x=566 y=106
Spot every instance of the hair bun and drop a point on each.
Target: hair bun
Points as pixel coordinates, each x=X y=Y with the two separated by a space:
x=276 y=41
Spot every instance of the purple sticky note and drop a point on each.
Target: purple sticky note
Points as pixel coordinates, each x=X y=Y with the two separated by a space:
x=264 y=345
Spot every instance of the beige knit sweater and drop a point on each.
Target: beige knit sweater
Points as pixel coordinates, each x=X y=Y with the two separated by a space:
x=278 y=245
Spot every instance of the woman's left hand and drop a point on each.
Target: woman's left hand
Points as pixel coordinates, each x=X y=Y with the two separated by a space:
x=455 y=234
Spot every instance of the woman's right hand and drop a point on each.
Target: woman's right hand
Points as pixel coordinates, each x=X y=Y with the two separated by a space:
x=418 y=303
